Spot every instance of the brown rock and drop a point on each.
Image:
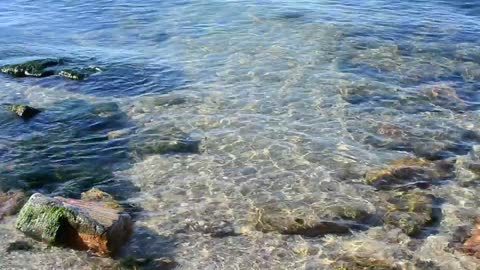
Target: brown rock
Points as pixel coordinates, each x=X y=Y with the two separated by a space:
x=472 y=245
x=97 y=195
x=409 y=172
x=77 y=224
x=11 y=202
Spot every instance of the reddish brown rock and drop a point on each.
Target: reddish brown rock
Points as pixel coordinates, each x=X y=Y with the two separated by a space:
x=11 y=202
x=77 y=224
x=472 y=245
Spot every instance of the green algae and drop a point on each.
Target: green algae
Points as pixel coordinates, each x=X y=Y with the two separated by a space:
x=45 y=218
x=34 y=68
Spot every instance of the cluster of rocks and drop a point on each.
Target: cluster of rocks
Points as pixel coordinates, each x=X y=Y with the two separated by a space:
x=102 y=137
x=47 y=67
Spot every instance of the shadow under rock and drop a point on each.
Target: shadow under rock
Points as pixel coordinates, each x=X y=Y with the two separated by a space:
x=148 y=249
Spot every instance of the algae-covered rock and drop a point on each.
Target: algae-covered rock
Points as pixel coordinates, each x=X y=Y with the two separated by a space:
x=410 y=211
x=24 y=111
x=74 y=223
x=73 y=74
x=34 y=68
x=311 y=220
x=78 y=74
x=410 y=172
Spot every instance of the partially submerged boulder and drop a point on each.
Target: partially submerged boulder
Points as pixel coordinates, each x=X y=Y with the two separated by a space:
x=11 y=202
x=78 y=74
x=34 y=68
x=24 y=111
x=410 y=172
x=77 y=224
x=311 y=220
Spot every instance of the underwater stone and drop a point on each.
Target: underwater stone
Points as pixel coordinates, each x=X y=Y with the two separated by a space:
x=410 y=172
x=77 y=224
x=24 y=111
x=155 y=142
x=287 y=218
x=410 y=211
x=34 y=68
x=355 y=262
x=472 y=244
x=11 y=202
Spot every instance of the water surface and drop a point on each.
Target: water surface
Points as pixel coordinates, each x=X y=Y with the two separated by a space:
x=287 y=97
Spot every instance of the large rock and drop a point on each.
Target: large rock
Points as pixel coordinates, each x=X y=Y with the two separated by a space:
x=76 y=224
x=410 y=172
x=288 y=217
x=34 y=68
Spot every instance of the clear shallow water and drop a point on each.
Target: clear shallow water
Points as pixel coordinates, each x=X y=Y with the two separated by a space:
x=289 y=98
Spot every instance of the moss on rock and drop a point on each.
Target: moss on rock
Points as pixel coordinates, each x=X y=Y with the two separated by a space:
x=409 y=211
x=34 y=68
x=24 y=111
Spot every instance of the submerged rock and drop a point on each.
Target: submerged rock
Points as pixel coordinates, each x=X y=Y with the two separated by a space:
x=154 y=141
x=11 y=202
x=34 y=68
x=410 y=172
x=410 y=211
x=76 y=224
x=472 y=244
x=354 y=263
x=444 y=95
x=24 y=111
x=67 y=150
x=293 y=218
x=73 y=74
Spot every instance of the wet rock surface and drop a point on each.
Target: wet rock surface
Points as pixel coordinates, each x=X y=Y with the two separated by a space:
x=76 y=224
x=34 y=68
x=48 y=67
x=24 y=111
